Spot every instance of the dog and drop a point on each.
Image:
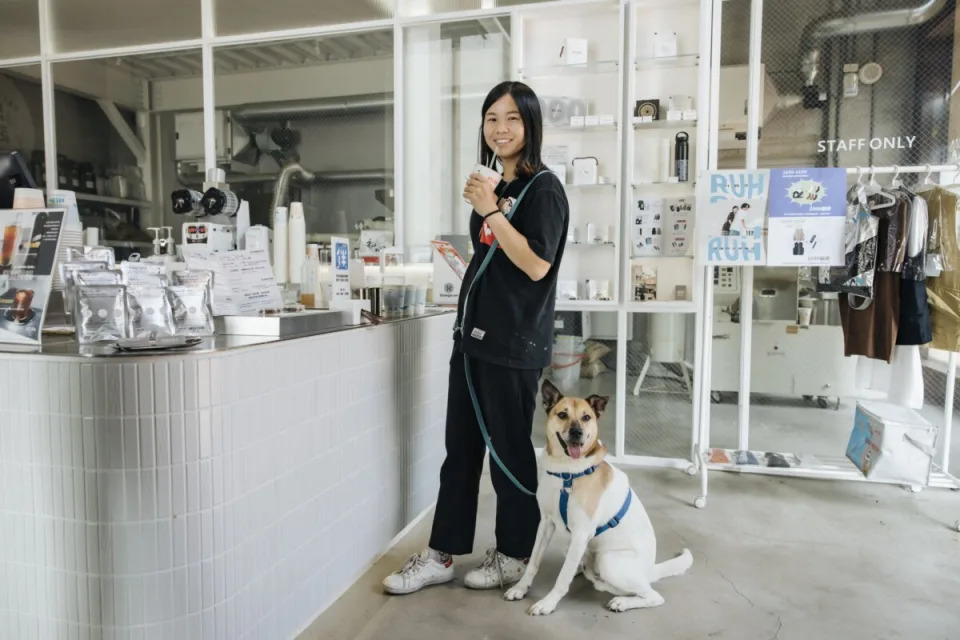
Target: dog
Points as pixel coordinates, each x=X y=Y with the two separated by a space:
x=611 y=537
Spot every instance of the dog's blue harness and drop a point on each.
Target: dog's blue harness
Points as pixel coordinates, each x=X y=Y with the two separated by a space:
x=568 y=479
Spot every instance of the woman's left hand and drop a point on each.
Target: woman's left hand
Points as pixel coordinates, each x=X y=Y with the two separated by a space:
x=479 y=192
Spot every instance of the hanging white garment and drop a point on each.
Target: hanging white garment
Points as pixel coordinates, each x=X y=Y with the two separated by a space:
x=900 y=382
x=906 y=378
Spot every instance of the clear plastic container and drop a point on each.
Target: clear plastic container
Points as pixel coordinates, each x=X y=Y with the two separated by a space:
x=394 y=279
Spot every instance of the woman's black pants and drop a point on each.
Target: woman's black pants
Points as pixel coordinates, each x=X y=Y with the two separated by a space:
x=508 y=400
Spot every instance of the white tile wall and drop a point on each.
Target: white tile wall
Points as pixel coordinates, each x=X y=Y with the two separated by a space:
x=225 y=496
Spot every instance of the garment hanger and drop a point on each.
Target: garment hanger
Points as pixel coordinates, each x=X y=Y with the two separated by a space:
x=953 y=185
x=927 y=183
x=881 y=199
x=856 y=189
x=895 y=182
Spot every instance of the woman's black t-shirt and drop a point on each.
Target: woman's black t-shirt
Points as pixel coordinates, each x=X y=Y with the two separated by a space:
x=509 y=319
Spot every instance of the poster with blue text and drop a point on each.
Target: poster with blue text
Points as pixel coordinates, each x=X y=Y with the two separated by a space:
x=731 y=210
x=806 y=216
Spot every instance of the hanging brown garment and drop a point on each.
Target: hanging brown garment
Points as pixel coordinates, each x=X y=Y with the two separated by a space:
x=943 y=292
x=870 y=325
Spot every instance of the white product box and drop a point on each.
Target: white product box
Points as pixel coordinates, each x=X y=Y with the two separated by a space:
x=607 y=119
x=574 y=51
x=577 y=121
x=585 y=170
x=567 y=290
x=592 y=121
x=665 y=45
x=689 y=114
x=674 y=114
x=560 y=170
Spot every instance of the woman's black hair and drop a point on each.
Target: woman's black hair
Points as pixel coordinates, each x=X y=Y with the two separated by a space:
x=529 y=107
x=745 y=205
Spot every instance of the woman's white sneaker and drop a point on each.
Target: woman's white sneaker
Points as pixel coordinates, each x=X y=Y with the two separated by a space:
x=496 y=571
x=419 y=571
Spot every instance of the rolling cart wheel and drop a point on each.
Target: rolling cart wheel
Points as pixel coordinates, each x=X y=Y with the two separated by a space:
x=808 y=398
x=715 y=397
x=822 y=402
x=692 y=470
x=701 y=502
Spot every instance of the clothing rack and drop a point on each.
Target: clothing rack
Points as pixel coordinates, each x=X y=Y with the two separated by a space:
x=918 y=168
x=952 y=358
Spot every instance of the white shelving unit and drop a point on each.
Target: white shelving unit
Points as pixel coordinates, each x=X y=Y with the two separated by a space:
x=658 y=78
x=621 y=67
x=538 y=36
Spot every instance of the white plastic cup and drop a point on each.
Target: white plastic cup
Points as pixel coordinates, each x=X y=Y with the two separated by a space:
x=492 y=176
x=805 y=314
x=91 y=237
x=420 y=301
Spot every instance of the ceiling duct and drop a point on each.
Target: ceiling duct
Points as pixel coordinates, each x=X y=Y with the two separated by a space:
x=323 y=107
x=834 y=25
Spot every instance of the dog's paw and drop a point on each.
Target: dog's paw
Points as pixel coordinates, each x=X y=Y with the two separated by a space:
x=543 y=608
x=619 y=605
x=515 y=593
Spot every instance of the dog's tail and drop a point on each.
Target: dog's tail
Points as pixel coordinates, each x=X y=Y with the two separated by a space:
x=673 y=567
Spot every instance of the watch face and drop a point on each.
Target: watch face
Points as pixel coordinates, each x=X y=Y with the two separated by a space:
x=648 y=110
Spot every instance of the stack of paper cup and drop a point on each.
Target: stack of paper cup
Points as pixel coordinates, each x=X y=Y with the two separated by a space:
x=91 y=237
x=71 y=231
x=28 y=198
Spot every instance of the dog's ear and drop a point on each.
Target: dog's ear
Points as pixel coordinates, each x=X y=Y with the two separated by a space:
x=549 y=395
x=598 y=404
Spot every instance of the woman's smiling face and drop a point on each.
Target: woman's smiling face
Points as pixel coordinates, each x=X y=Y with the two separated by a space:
x=503 y=129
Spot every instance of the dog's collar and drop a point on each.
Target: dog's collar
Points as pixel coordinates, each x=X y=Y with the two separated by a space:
x=568 y=478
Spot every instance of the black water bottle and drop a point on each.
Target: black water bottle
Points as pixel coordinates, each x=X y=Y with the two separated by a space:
x=681 y=156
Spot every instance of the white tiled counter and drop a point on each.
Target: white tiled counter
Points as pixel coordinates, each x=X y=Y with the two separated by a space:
x=230 y=494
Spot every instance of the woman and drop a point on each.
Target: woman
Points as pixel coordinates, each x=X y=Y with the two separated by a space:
x=507 y=335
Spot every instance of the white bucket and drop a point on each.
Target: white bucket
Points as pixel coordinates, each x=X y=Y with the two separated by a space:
x=566 y=360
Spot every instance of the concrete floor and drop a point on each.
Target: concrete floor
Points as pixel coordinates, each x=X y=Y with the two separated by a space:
x=774 y=559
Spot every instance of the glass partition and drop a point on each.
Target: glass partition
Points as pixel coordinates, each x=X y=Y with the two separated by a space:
x=115 y=142
x=19 y=29
x=863 y=84
x=250 y=16
x=448 y=70
x=80 y=25
x=21 y=116
x=584 y=363
x=660 y=357
x=321 y=108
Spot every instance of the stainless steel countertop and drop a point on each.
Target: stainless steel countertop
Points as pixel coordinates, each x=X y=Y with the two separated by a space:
x=66 y=346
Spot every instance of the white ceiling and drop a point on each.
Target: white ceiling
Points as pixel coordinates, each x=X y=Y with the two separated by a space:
x=275 y=55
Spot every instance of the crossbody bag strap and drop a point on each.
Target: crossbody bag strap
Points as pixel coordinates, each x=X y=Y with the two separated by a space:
x=493 y=248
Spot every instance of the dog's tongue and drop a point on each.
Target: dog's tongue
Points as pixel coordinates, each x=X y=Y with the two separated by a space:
x=574 y=450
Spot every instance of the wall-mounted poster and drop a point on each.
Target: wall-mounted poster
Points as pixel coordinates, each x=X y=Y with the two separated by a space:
x=678 y=227
x=648 y=228
x=732 y=207
x=28 y=255
x=807 y=212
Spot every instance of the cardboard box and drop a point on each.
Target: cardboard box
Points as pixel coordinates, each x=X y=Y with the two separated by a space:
x=890 y=443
